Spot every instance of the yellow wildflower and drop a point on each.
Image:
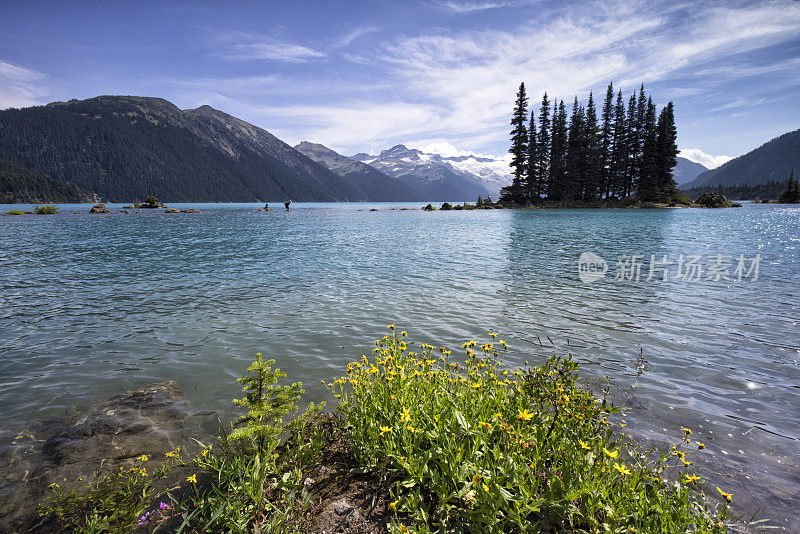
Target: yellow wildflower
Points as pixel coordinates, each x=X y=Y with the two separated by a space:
x=622 y=469
x=584 y=445
x=610 y=454
x=726 y=496
x=493 y=335
x=485 y=425
x=385 y=429
x=525 y=415
x=405 y=416
x=691 y=479
x=393 y=505
x=700 y=446
x=390 y=327
x=143 y=458
x=192 y=479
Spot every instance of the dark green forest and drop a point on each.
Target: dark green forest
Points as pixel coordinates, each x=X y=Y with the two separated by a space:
x=126 y=148
x=19 y=185
x=628 y=152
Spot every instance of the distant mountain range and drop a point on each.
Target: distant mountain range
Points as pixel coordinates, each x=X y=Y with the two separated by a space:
x=377 y=185
x=125 y=148
x=686 y=170
x=439 y=178
x=771 y=162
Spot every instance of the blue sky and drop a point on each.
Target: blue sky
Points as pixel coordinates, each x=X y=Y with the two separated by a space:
x=365 y=75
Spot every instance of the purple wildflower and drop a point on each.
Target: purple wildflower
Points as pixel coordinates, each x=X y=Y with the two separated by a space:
x=163 y=506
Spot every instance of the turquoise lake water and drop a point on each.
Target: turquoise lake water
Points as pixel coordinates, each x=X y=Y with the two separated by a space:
x=91 y=305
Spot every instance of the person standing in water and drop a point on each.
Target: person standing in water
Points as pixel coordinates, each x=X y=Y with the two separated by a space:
x=287 y=204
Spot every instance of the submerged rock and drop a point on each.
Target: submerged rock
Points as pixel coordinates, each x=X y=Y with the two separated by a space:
x=109 y=435
x=190 y=210
x=172 y=210
x=99 y=208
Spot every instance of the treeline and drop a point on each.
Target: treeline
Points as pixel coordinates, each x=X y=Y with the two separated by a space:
x=19 y=185
x=768 y=191
x=628 y=152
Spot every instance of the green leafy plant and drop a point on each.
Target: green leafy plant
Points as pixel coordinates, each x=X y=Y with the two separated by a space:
x=479 y=447
x=255 y=476
x=113 y=503
x=15 y=212
x=46 y=209
x=266 y=402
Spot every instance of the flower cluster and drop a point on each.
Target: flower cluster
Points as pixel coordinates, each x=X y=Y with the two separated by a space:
x=477 y=441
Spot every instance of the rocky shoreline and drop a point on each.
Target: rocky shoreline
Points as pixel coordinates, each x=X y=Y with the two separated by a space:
x=75 y=451
x=113 y=435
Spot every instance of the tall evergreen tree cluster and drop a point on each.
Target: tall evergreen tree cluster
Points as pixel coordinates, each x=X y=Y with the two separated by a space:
x=792 y=193
x=628 y=152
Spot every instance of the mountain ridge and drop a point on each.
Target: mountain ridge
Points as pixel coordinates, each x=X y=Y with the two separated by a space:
x=770 y=162
x=128 y=147
x=686 y=170
x=437 y=178
x=375 y=184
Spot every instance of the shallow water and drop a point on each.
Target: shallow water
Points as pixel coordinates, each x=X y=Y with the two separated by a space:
x=91 y=305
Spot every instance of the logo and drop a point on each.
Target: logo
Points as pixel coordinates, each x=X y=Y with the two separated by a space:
x=591 y=267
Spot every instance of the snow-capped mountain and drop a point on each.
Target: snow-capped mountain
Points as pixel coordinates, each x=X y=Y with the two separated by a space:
x=493 y=173
x=448 y=178
x=376 y=185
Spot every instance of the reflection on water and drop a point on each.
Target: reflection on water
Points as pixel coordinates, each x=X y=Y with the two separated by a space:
x=92 y=305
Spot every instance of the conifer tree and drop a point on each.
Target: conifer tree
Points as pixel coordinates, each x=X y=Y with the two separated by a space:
x=619 y=150
x=543 y=150
x=519 y=148
x=558 y=146
x=594 y=153
x=666 y=154
x=792 y=193
x=647 y=187
x=606 y=141
x=576 y=154
x=531 y=186
x=631 y=148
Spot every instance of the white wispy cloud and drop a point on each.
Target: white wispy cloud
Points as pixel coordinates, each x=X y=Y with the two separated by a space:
x=471 y=6
x=348 y=38
x=243 y=46
x=459 y=85
x=20 y=86
x=356 y=124
x=707 y=160
x=276 y=51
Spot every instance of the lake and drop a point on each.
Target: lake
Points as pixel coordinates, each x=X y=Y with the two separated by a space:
x=91 y=305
